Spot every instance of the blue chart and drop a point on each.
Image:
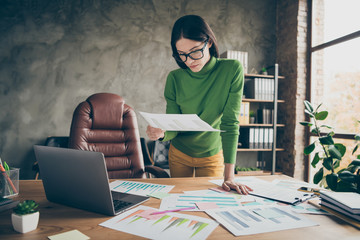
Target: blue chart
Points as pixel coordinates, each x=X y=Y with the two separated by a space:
x=138 y=188
x=188 y=200
x=258 y=219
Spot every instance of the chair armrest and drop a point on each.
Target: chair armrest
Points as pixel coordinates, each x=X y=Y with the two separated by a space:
x=156 y=171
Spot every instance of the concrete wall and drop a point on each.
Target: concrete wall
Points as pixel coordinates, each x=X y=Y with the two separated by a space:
x=54 y=54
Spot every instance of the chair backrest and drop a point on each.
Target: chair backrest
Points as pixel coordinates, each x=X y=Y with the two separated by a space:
x=104 y=123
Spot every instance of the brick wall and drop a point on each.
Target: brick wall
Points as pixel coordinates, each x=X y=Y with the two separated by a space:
x=292 y=58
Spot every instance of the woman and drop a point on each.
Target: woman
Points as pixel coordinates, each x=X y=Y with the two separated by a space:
x=211 y=88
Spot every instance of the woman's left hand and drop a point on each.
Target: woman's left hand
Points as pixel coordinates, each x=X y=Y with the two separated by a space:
x=240 y=188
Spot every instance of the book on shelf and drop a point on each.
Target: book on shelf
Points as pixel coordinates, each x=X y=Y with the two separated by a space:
x=260 y=88
x=237 y=55
x=265 y=115
x=348 y=201
x=256 y=137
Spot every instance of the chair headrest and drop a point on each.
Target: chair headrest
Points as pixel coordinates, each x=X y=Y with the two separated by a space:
x=107 y=110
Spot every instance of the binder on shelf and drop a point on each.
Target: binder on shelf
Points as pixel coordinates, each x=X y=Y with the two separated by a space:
x=260 y=88
x=244 y=117
x=237 y=55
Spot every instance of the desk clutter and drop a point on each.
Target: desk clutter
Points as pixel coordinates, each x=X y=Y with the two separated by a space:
x=279 y=209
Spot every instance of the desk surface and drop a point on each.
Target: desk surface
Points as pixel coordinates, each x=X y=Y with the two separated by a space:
x=55 y=218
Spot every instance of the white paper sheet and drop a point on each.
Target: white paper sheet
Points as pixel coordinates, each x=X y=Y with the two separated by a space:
x=258 y=219
x=166 y=226
x=139 y=188
x=177 y=122
x=271 y=191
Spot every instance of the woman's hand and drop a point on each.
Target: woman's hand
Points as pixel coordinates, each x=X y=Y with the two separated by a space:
x=154 y=133
x=240 y=188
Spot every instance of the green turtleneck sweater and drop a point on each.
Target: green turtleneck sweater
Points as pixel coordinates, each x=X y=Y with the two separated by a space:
x=214 y=94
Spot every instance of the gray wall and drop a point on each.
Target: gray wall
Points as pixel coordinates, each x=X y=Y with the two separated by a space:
x=54 y=54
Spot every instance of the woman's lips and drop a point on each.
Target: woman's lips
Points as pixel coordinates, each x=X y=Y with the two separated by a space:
x=194 y=66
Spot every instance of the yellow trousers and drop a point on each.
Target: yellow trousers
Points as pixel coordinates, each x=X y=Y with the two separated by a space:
x=182 y=165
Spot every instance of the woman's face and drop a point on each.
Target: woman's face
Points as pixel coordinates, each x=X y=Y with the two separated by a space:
x=186 y=46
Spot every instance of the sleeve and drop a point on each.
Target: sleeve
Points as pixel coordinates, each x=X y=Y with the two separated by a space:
x=230 y=118
x=171 y=105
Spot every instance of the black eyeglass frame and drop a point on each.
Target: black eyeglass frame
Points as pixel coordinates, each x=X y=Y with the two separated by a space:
x=177 y=56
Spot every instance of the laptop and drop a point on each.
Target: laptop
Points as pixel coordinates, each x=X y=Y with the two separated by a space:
x=79 y=179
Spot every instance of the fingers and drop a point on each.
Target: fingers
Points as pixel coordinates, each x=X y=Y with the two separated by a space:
x=154 y=133
x=239 y=188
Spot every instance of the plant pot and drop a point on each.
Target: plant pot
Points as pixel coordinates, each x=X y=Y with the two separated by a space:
x=25 y=223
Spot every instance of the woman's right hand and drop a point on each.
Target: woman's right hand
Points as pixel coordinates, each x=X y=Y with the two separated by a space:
x=154 y=133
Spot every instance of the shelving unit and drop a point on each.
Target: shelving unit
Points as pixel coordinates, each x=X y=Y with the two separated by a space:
x=255 y=103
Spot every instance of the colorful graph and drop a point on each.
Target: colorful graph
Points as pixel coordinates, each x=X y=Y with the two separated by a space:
x=138 y=188
x=167 y=226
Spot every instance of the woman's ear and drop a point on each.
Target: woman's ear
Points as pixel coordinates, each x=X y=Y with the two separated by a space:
x=210 y=42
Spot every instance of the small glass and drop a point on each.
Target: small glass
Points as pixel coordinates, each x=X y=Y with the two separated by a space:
x=9 y=183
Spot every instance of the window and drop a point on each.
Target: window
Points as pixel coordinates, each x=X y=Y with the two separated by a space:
x=335 y=67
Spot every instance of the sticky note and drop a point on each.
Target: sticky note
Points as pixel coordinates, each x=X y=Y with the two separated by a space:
x=73 y=235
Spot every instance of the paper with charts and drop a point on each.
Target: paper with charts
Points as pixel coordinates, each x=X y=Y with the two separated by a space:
x=258 y=219
x=138 y=221
x=139 y=188
x=177 y=122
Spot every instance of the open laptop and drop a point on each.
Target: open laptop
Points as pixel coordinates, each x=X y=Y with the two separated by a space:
x=79 y=179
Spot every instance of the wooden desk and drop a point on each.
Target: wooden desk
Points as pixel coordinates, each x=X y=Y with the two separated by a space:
x=55 y=218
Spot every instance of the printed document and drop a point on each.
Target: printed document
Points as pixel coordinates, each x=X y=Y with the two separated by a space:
x=177 y=122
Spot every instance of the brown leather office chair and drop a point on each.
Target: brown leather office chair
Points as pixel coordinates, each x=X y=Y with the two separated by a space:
x=104 y=123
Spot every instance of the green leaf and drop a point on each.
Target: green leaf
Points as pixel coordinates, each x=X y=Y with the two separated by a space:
x=336 y=163
x=315 y=131
x=332 y=133
x=309 y=149
x=315 y=160
x=328 y=163
x=357 y=137
x=309 y=113
x=327 y=126
x=355 y=162
x=308 y=106
x=318 y=176
x=306 y=124
x=344 y=186
x=321 y=115
x=334 y=152
x=317 y=108
x=341 y=148
x=355 y=149
x=331 y=180
x=326 y=140
x=347 y=176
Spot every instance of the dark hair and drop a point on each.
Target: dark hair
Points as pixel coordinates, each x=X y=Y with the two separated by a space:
x=194 y=28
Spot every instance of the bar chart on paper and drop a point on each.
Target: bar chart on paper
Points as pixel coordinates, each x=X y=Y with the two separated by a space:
x=163 y=226
x=259 y=219
x=138 y=188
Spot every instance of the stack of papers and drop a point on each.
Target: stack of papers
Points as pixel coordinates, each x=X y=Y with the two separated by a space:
x=346 y=203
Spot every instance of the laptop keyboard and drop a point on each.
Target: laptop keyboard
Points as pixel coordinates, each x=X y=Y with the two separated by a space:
x=118 y=204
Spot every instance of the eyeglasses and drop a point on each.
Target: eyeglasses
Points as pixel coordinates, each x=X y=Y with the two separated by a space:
x=194 y=55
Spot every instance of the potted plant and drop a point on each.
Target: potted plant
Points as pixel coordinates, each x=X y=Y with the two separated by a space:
x=264 y=71
x=330 y=154
x=25 y=216
x=252 y=116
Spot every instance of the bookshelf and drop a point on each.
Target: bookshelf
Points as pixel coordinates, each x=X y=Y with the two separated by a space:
x=261 y=97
